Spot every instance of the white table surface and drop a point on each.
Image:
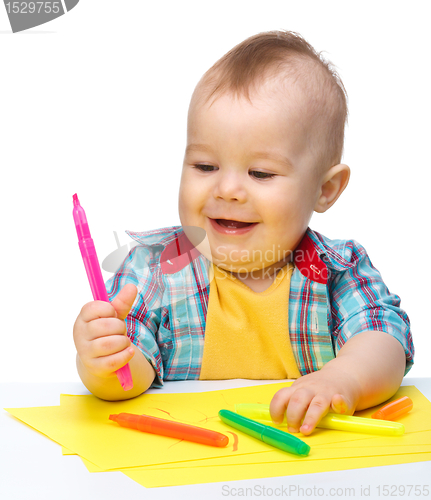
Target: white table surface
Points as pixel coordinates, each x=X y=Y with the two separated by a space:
x=32 y=466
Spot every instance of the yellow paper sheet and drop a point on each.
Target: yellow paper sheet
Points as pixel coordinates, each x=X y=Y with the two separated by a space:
x=363 y=452
x=177 y=477
x=81 y=425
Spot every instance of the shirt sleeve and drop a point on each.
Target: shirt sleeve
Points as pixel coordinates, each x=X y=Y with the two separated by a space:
x=360 y=301
x=143 y=319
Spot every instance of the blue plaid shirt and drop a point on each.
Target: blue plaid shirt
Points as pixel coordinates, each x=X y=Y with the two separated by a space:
x=335 y=293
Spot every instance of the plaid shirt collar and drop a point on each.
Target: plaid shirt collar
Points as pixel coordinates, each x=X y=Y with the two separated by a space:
x=313 y=257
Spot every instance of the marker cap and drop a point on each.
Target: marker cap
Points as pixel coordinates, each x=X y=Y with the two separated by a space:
x=394 y=410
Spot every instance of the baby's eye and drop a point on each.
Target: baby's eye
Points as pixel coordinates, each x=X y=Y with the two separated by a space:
x=204 y=168
x=262 y=175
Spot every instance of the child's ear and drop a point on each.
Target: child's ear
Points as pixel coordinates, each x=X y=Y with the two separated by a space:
x=333 y=184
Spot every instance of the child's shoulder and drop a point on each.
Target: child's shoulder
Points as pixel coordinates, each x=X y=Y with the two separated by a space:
x=168 y=249
x=328 y=261
x=339 y=254
x=156 y=237
x=144 y=252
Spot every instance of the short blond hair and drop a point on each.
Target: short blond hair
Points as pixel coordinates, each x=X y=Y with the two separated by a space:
x=285 y=55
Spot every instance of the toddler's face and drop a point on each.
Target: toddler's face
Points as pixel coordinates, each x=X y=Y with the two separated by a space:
x=250 y=163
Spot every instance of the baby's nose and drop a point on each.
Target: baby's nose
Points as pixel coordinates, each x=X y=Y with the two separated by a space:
x=230 y=187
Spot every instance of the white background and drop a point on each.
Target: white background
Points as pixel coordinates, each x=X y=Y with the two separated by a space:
x=95 y=102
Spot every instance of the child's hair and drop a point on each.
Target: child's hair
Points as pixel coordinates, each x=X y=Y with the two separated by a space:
x=286 y=56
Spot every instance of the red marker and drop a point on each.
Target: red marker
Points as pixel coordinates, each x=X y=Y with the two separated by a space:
x=164 y=427
x=394 y=409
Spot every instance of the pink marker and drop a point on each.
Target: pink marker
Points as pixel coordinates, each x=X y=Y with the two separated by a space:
x=89 y=256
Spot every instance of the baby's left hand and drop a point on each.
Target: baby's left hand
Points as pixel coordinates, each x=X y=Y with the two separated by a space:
x=312 y=396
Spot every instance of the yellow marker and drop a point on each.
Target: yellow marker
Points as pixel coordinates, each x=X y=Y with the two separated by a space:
x=331 y=421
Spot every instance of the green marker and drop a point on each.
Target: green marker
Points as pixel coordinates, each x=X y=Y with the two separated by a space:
x=265 y=433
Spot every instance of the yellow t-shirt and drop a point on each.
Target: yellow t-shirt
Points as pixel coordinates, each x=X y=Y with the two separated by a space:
x=247 y=333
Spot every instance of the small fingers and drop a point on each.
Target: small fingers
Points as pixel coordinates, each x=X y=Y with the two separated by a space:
x=317 y=409
x=97 y=309
x=103 y=327
x=278 y=405
x=106 y=366
x=340 y=404
x=302 y=408
x=298 y=405
x=292 y=403
x=105 y=346
x=123 y=302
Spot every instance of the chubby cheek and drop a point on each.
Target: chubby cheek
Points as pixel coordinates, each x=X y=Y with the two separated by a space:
x=189 y=203
x=283 y=207
x=184 y=209
x=288 y=213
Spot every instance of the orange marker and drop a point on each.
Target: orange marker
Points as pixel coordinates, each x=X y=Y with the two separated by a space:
x=164 y=427
x=394 y=410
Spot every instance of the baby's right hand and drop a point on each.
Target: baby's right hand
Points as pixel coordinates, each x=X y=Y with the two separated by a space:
x=100 y=334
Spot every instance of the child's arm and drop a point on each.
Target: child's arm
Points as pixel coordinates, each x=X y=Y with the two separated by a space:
x=368 y=370
x=103 y=347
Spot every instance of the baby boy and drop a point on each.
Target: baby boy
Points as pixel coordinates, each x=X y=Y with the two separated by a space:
x=244 y=288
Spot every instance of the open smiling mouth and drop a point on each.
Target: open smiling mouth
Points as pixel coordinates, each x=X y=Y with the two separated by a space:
x=232 y=227
x=233 y=224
